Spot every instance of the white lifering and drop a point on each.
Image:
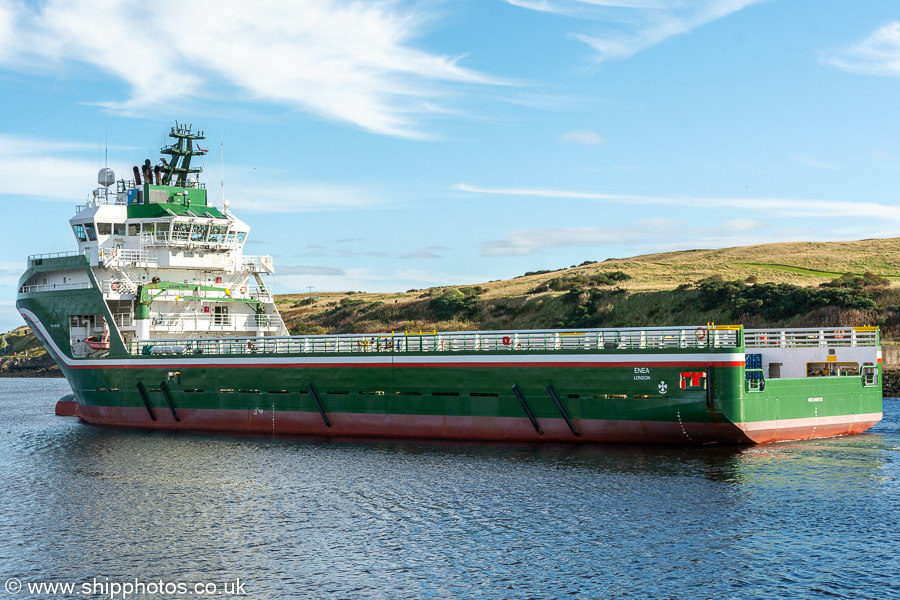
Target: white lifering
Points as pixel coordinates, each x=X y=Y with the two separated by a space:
x=839 y=334
x=243 y=289
x=701 y=334
x=114 y=286
x=114 y=253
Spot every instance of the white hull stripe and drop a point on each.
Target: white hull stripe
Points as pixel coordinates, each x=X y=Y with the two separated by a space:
x=385 y=360
x=781 y=424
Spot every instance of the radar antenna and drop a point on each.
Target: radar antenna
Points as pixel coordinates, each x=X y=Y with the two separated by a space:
x=181 y=152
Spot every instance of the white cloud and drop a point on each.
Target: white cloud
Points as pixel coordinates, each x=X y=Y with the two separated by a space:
x=25 y=161
x=812 y=162
x=306 y=197
x=878 y=54
x=349 y=61
x=309 y=270
x=740 y=225
x=522 y=242
x=634 y=25
x=9 y=316
x=421 y=253
x=651 y=236
x=575 y=7
x=41 y=168
x=581 y=136
x=783 y=207
x=7 y=28
x=366 y=280
x=465 y=187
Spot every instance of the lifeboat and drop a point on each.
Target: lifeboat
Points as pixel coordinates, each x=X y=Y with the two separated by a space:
x=96 y=343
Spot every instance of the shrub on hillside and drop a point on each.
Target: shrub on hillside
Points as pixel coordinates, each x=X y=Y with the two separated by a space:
x=453 y=302
x=777 y=302
x=849 y=280
x=569 y=282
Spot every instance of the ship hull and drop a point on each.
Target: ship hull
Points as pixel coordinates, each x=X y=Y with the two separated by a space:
x=691 y=396
x=504 y=429
x=474 y=402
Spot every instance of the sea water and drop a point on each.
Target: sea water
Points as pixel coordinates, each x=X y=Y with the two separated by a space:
x=145 y=514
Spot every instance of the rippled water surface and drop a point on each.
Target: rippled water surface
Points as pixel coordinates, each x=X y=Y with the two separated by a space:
x=312 y=518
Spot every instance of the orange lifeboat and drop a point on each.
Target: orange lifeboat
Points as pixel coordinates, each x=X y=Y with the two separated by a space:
x=96 y=343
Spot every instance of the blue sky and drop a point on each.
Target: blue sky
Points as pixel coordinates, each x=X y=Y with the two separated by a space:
x=383 y=146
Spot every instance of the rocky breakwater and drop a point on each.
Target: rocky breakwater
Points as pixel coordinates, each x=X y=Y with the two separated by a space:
x=891 y=384
x=28 y=366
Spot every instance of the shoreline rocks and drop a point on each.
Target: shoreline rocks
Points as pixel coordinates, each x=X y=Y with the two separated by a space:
x=28 y=366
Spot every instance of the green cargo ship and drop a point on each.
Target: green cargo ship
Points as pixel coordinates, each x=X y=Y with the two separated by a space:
x=159 y=320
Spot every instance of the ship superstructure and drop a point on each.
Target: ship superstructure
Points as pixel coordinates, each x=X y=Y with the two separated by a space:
x=168 y=263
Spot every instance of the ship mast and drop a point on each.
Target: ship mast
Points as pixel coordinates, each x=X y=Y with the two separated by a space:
x=181 y=152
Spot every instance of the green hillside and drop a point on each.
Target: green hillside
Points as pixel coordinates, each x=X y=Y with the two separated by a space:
x=758 y=286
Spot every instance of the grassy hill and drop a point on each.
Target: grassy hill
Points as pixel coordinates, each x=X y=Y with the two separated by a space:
x=775 y=285
x=21 y=341
x=763 y=285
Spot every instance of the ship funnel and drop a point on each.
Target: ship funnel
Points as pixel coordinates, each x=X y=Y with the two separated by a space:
x=137 y=176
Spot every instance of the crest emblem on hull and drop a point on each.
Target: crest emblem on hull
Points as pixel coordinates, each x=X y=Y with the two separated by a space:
x=663 y=387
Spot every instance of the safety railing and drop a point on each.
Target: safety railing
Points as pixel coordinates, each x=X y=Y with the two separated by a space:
x=126 y=256
x=258 y=264
x=53 y=255
x=755 y=382
x=806 y=338
x=213 y=322
x=670 y=338
x=123 y=319
x=262 y=292
x=55 y=287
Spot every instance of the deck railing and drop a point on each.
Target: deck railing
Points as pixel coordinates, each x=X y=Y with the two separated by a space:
x=846 y=337
x=36 y=258
x=203 y=321
x=698 y=338
x=258 y=264
x=55 y=287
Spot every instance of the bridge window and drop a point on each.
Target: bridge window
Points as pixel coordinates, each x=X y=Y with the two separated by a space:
x=119 y=229
x=79 y=232
x=217 y=233
x=162 y=232
x=199 y=232
x=181 y=232
x=104 y=228
x=91 y=232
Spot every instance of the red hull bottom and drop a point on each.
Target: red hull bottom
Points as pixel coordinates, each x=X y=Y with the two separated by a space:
x=467 y=428
x=66 y=408
x=804 y=429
